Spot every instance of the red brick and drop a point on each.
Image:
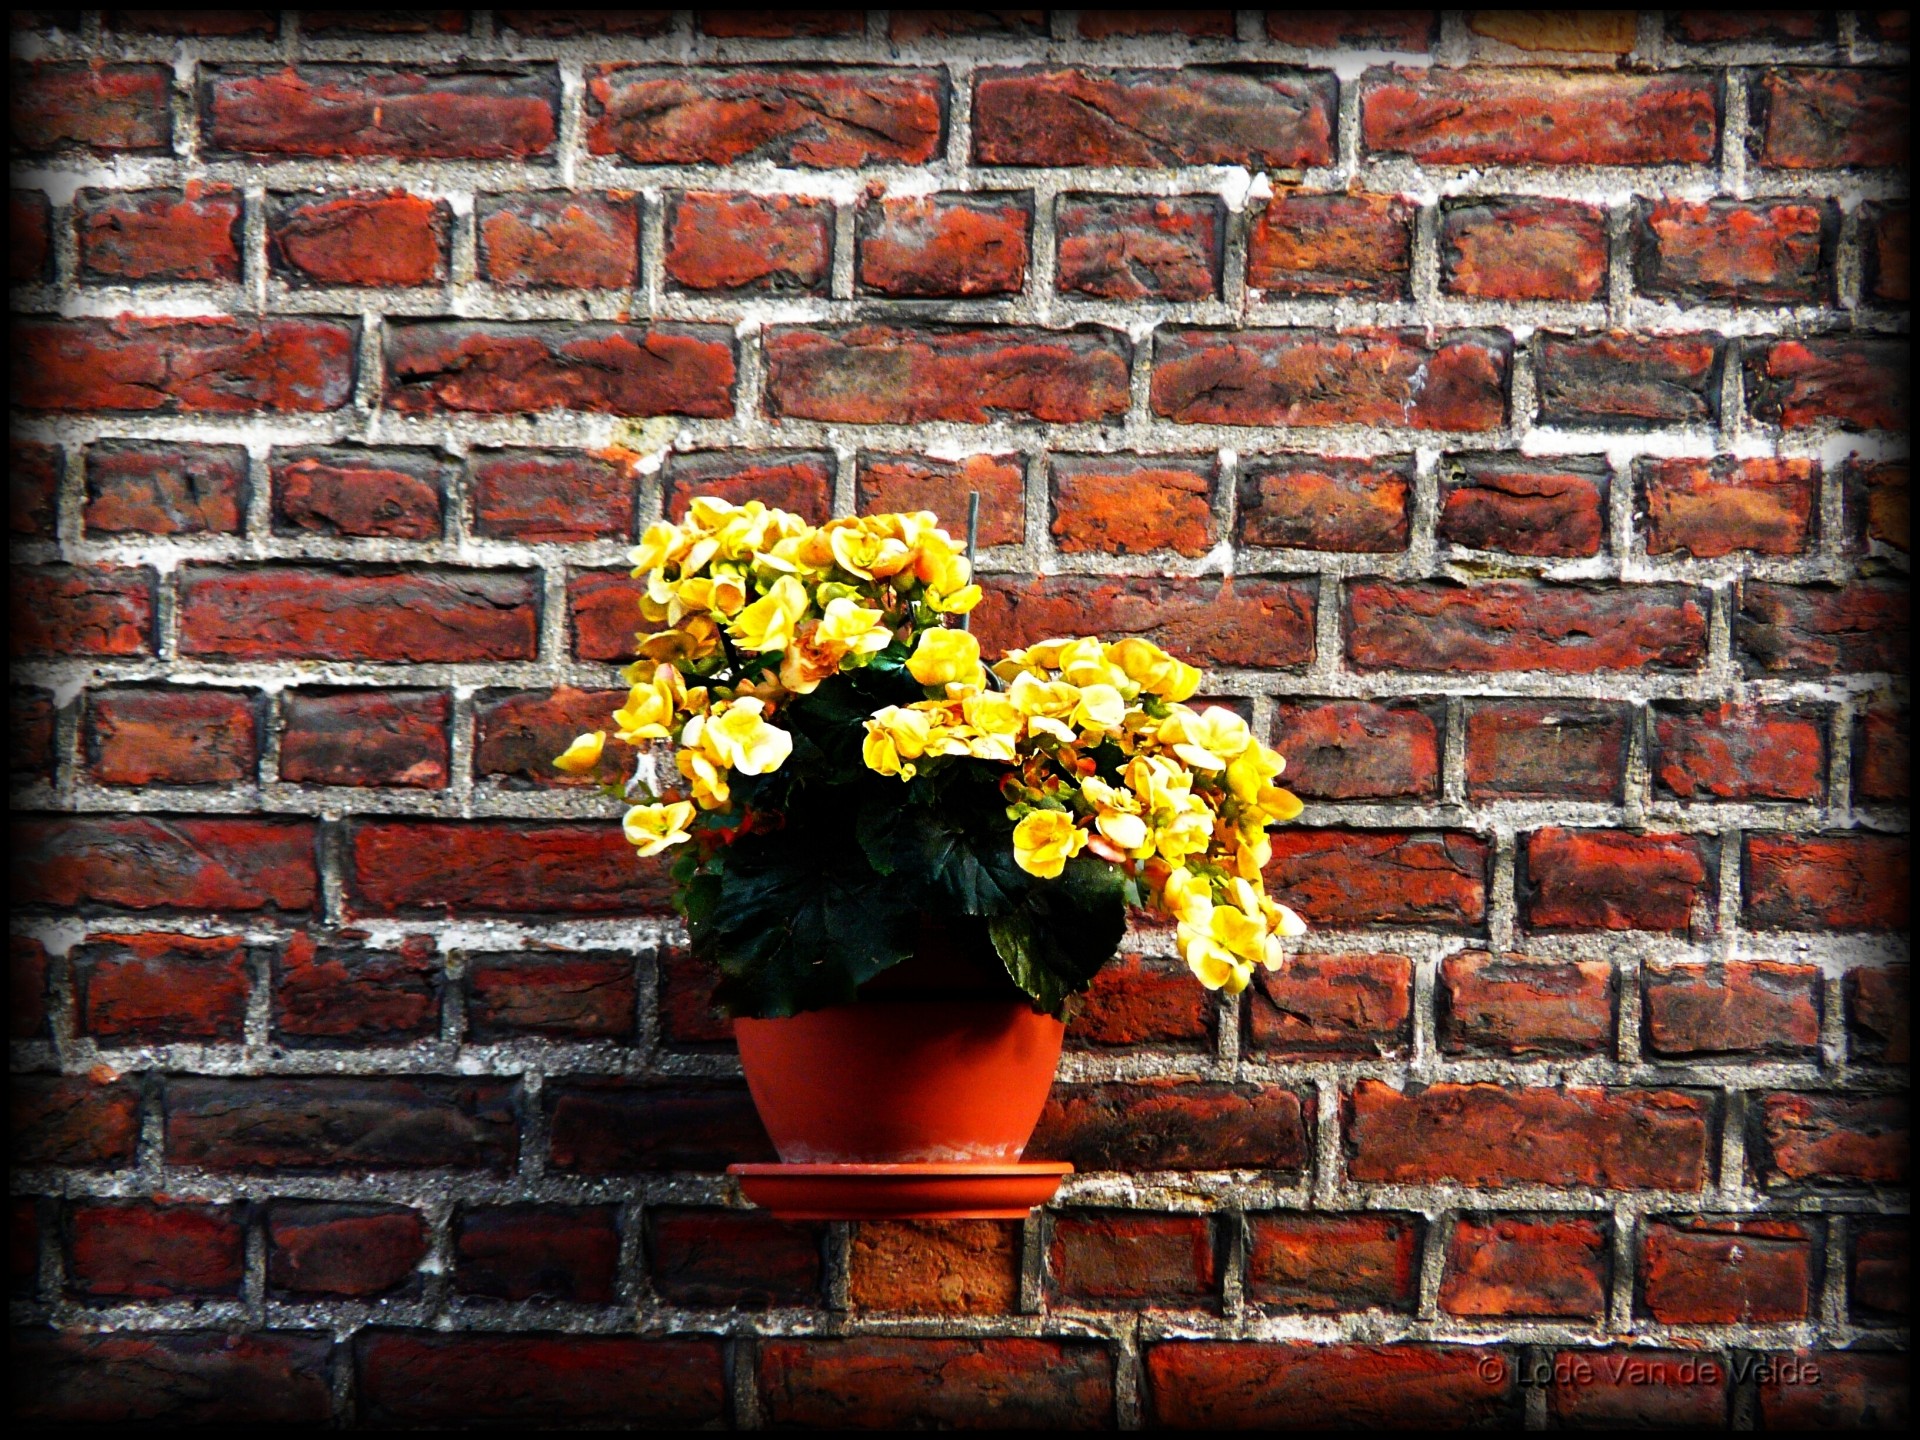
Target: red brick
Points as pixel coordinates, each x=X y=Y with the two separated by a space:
x=1244 y=1385
x=517 y=733
x=1354 y=1006
x=561 y=996
x=933 y=24
x=1735 y=252
x=419 y=616
x=1554 y=34
x=1333 y=1262
x=748 y=242
x=205 y=23
x=1787 y=629
x=30 y=731
x=1856 y=384
x=1455 y=381
x=376 y=494
x=29 y=236
x=835 y=118
x=1540 y=117
x=1108 y=24
x=23 y=1246
x=739 y=1259
x=1858 y=1390
x=174 y=736
x=1711 y=508
x=1886 y=238
x=604 y=613
x=1880 y=1014
x=1124 y=1259
x=1172 y=1125
x=500 y=866
x=1506 y=1265
x=573 y=242
x=1818 y=119
x=1880 y=1282
x=882 y=374
x=26 y=988
x=1344 y=878
x=335 y=995
x=166 y=366
x=1264 y=624
x=503 y=111
x=490 y=368
x=1556 y=509
x=165 y=489
x=1739 y=752
x=1754 y=1007
x=330 y=1124
x=1831 y=1139
x=1521 y=248
x=1326 y=503
x=153 y=1252
x=1616 y=880
x=945 y=1267
x=915 y=482
x=614 y=1128
x=71 y=1120
x=537 y=1252
x=1517 y=625
x=1880 y=504
x=887 y=1382
x=1514 y=1005
x=1122 y=506
x=690 y=1015
x=1358 y=245
x=412 y=1378
x=1358 y=750
x=563 y=24
x=158 y=235
x=939 y=246
x=1827 y=882
x=180 y=1377
x=358 y=239
x=781 y=25
x=1637 y=1389
x=1408 y=30
x=1121 y=247
x=141 y=862
x=1890 y=25
x=383 y=22
x=1701 y=1270
x=538 y=495
x=90 y=106
x=1726 y=27
x=365 y=737
x=1540 y=750
x=1487 y=1135
x=142 y=989
x=354 y=1251
x=1136 y=1001
x=33 y=486
x=800 y=482
x=1628 y=380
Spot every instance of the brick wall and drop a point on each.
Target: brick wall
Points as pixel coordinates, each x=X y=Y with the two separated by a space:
x=1518 y=439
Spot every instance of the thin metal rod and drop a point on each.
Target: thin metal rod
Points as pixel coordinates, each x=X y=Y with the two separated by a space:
x=973 y=531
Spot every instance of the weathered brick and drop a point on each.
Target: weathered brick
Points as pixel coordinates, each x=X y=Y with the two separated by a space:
x=1516 y=625
x=29 y=236
x=832 y=118
x=365 y=737
x=489 y=368
x=137 y=1250
x=1265 y=624
x=536 y=1252
x=1453 y=381
x=1358 y=750
x=1886 y=238
x=33 y=486
x=1407 y=30
x=23 y=1246
x=940 y=246
x=781 y=25
x=1880 y=755
x=1616 y=880
x=1724 y=27
x=1831 y=1139
x=1523 y=248
x=375 y=494
x=1636 y=1389
x=690 y=1015
x=1124 y=506
x=1243 y=1385
x=1510 y=1265
x=1880 y=1014
x=1881 y=1282
x=137 y=735
x=563 y=996
x=345 y=995
x=1107 y=24
x=499 y=111
x=1711 y=508
x=1819 y=630
x=141 y=862
x=203 y=23
x=1435 y=879
x=383 y=22
x=1827 y=882
x=1359 y=245
x=1754 y=1007
x=1808 y=119
x=583 y=242
x=911 y=25
x=100 y=107
x=948 y=1267
x=1702 y=1270
x=1333 y=1262
x=499 y=866
x=158 y=235
x=1172 y=1125
x=1739 y=752
x=1326 y=503
x=1528 y=749
x=26 y=988
x=1487 y=1135
x=1552 y=508
x=329 y=1124
x=364 y=238
x=540 y=495
x=1541 y=117
x=1122 y=247
x=748 y=242
x=1556 y=34
x=1352 y=1006
x=732 y=1258
x=888 y=1382
x=30 y=734
x=1123 y=1259
x=165 y=489
x=176 y=1377
x=1855 y=384
x=166 y=366
x=1513 y=1005
x=1895 y=26
x=142 y=989
x=517 y=733
x=1858 y=1390
x=1634 y=381
x=354 y=1251
x=614 y=1128
x=1738 y=252
x=915 y=482
x=1267 y=118
x=1881 y=506
x=72 y=1120
x=1136 y=1001
x=603 y=614
x=800 y=482
x=564 y=24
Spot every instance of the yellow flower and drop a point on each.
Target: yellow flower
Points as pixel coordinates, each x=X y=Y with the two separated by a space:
x=1279 y=805
x=854 y=627
x=946 y=657
x=1187 y=897
x=657 y=547
x=650 y=708
x=1099 y=708
x=895 y=736
x=1046 y=704
x=1206 y=739
x=1216 y=967
x=1084 y=662
x=1153 y=670
x=707 y=780
x=1044 y=841
x=1250 y=771
x=769 y=622
x=869 y=554
x=652 y=828
x=718 y=590
x=740 y=739
x=582 y=755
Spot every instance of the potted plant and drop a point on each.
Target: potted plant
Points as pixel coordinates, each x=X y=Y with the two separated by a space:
x=905 y=864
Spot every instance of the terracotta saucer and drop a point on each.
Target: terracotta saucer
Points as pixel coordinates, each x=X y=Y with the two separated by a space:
x=901 y=1192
